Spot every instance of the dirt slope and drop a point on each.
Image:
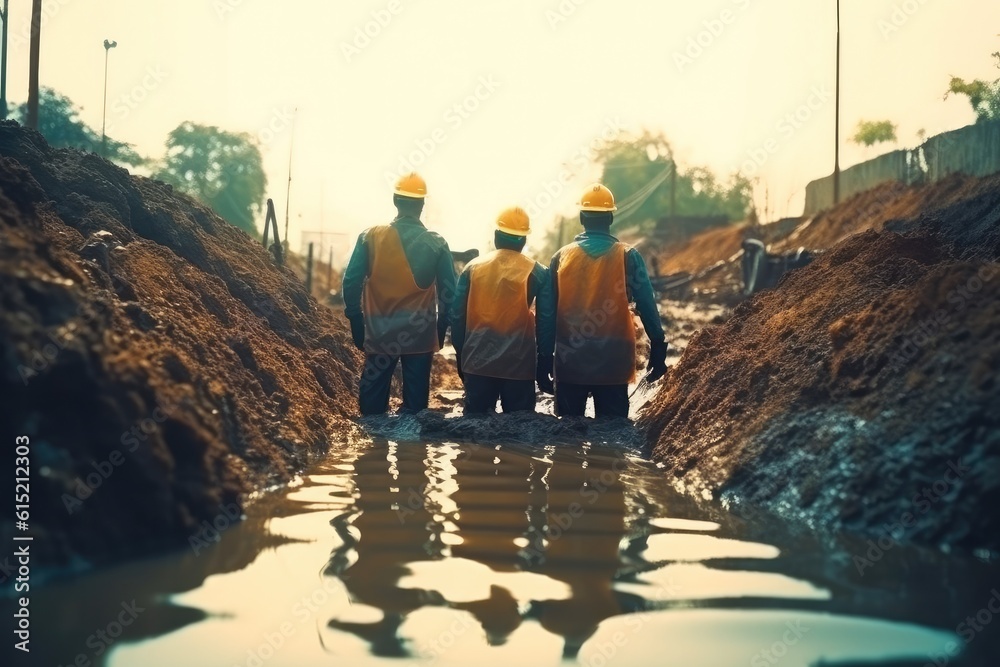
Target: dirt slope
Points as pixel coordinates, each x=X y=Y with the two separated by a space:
x=851 y=394
x=893 y=204
x=160 y=364
x=702 y=251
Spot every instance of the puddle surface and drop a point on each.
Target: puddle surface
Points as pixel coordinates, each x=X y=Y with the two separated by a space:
x=445 y=554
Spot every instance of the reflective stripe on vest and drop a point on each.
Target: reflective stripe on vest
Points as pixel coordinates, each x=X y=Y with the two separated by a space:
x=400 y=317
x=500 y=326
x=595 y=334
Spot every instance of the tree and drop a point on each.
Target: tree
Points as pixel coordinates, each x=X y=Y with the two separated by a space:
x=871 y=132
x=983 y=95
x=222 y=169
x=31 y=114
x=59 y=122
x=640 y=173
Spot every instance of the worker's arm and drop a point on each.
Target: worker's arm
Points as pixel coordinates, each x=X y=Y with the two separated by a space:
x=354 y=278
x=553 y=270
x=545 y=327
x=545 y=311
x=642 y=293
x=459 y=309
x=445 y=286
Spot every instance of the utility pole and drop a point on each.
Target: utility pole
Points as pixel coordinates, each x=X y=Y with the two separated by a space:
x=309 y=271
x=3 y=61
x=104 y=115
x=36 y=36
x=329 y=272
x=288 y=190
x=673 y=188
x=836 y=132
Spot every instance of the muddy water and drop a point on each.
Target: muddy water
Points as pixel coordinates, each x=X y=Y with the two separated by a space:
x=395 y=553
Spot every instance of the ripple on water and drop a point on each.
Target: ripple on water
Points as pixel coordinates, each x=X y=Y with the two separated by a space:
x=447 y=554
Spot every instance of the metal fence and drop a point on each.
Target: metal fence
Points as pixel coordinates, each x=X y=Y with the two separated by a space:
x=973 y=150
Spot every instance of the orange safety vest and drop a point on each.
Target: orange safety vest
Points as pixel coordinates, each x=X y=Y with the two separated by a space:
x=400 y=317
x=595 y=334
x=500 y=326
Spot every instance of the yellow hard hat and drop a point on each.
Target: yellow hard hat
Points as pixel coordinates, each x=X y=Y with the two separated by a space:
x=514 y=221
x=597 y=198
x=411 y=185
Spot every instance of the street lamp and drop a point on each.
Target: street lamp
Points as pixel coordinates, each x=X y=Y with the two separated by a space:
x=836 y=131
x=104 y=116
x=3 y=60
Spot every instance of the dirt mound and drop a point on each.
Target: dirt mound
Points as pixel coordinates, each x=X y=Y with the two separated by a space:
x=929 y=209
x=702 y=251
x=159 y=362
x=850 y=395
x=898 y=207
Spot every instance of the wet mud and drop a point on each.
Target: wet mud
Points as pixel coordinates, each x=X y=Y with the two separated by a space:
x=160 y=363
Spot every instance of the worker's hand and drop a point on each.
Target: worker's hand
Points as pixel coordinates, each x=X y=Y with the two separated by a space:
x=442 y=330
x=358 y=331
x=657 y=366
x=543 y=374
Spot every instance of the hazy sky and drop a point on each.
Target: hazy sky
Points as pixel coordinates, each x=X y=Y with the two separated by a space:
x=493 y=99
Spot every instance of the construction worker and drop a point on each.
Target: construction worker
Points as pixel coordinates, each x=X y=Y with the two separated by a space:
x=493 y=328
x=594 y=279
x=397 y=291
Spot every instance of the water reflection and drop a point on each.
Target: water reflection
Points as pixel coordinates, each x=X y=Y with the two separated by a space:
x=582 y=527
x=392 y=513
x=511 y=555
x=539 y=535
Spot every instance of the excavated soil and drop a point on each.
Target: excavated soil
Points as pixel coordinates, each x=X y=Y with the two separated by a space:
x=164 y=368
x=896 y=206
x=161 y=365
x=714 y=255
x=861 y=393
x=703 y=250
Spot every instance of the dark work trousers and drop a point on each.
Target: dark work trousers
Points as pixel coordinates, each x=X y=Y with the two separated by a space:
x=610 y=400
x=482 y=392
x=376 y=380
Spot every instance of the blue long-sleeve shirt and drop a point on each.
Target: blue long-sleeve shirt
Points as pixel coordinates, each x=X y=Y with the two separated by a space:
x=429 y=258
x=638 y=288
x=539 y=291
